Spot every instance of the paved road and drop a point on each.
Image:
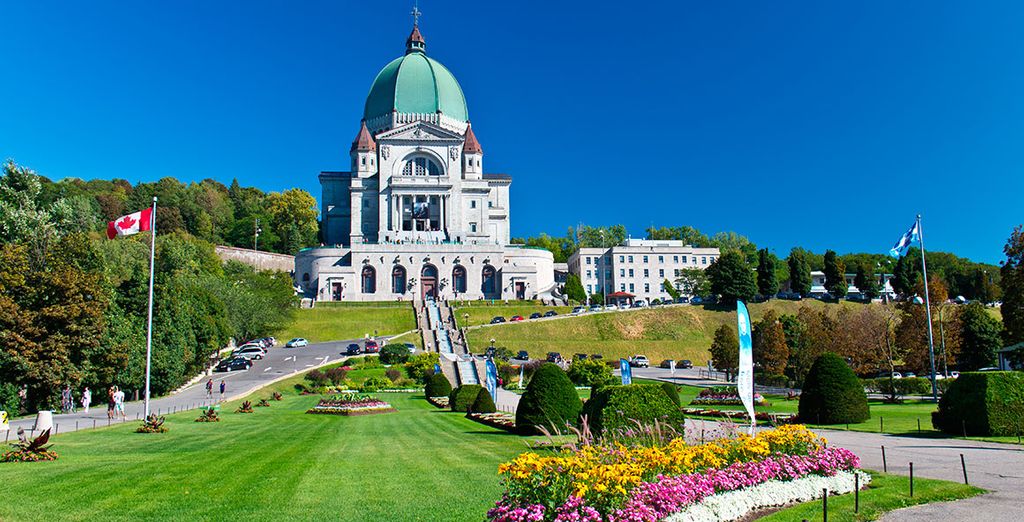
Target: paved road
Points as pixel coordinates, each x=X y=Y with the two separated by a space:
x=279 y=363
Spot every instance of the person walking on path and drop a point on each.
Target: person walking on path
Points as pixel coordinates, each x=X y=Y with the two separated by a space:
x=86 y=399
x=209 y=389
x=110 y=402
x=119 y=402
x=223 y=386
x=67 y=399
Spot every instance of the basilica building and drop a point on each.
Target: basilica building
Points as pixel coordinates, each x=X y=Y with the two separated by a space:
x=416 y=215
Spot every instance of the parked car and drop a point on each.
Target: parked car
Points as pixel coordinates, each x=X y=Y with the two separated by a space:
x=682 y=300
x=954 y=374
x=596 y=356
x=498 y=320
x=640 y=304
x=667 y=363
x=536 y=315
x=639 y=361
x=233 y=364
x=579 y=310
x=886 y=375
x=685 y=364
x=554 y=357
x=516 y=318
x=523 y=355
x=989 y=369
x=297 y=342
x=579 y=356
x=696 y=300
x=550 y=313
x=250 y=352
x=250 y=344
x=596 y=308
x=623 y=306
x=352 y=349
x=371 y=346
x=409 y=346
x=610 y=308
x=909 y=375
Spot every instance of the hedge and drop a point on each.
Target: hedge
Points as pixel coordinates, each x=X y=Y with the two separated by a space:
x=550 y=401
x=462 y=398
x=620 y=407
x=905 y=386
x=437 y=386
x=983 y=404
x=832 y=393
x=483 y=403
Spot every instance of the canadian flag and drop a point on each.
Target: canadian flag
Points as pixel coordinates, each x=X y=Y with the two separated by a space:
x=130 y=224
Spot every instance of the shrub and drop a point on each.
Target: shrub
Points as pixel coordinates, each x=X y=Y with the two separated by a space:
x=483 y=403
x=832 y=393
x=621 y=406
x=393 y=374
x=374 y=383
x=588 y=372
x=336 y=375
x=986 y=404
x=550 y=400
x=422 y=366
x=437 y=386
x=673 y=393
x=463 y=397
x=896 y=388
x=316 y=377
x=394 y=354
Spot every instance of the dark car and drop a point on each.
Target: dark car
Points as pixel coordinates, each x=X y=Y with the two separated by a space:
x=550 y=313
x=498 y=320
x=233 y=364
x=667 y=363
x=523 y=355
x=554 y=357
x=579 y=357
x=685 y=363
x=352 y=349
x=535 y=315
x=596 y=356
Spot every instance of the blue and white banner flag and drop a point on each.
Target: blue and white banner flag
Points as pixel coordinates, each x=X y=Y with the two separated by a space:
x=626 y=370
x=912 y=236
x=492 y=379
x=745 y=378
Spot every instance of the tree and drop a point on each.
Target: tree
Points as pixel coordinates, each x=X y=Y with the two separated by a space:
x=550 y=402
x=693 y=281
x=799 y=272
x=670 y=289
x=866 y=282
x=767 y=285
x=574 y=289
x=1012 y=284
x=796 y=341
x=906 y=275
x=981 y=337
x=731 y=278
x=23 y=219
x=725 y=350
x=835 y=275
x=293 y=215
x=771 y=352
x=733 y=241
x=832 y=394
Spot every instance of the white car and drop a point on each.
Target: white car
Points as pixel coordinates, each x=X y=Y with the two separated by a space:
x=639 y=361
x=579 y=310
x=250 y=352
x=296 y=343
x=611 y=308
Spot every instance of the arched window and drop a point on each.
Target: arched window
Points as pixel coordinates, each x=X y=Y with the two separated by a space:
x=398 y=279
x=421 y=166
x=369 y=280
x=490 y=281
x=459 y=279
x=429 y=271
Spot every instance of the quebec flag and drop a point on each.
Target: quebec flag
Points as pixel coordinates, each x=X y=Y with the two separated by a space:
x=912 y=236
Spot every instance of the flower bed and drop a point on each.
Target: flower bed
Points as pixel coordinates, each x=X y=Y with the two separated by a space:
x=724 y=396
x=500 y=420
x=774 y=418
x=440 y=402
x=612 y=482
x=351 y=404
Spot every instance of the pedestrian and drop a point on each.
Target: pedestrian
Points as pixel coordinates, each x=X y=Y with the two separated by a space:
x=86 y=399
x=209 y=389
x=22 y=397
x=67 y=400
x=119 y=402
x=223 y=386
x=110 y=402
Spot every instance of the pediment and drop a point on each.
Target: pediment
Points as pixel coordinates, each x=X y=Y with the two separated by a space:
x=419 y=131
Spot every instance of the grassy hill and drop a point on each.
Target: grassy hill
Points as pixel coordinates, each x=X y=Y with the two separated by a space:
x=673 y=332
x=339 y=322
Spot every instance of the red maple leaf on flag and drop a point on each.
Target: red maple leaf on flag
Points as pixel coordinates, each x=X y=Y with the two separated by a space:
x=126 y=223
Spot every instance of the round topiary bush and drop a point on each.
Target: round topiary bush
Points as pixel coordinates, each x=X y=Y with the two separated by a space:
x=462 y=398
x=483 y=403
x=437 y=386
x=832 y=394
x=550 y=401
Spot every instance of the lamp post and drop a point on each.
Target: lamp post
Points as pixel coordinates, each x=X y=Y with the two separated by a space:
x=465 y=319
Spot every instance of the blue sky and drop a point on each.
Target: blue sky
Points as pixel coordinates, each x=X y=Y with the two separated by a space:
x=820 y=124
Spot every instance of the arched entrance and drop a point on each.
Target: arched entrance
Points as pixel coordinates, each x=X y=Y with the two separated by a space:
x=459 y=279
x=428 y=282
x=398 y=280
x=369 y=280
x=489 y=282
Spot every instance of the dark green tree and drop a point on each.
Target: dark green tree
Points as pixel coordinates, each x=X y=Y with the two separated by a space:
x=670 y=289
x=732 y=278
x=866 y=282
x=835 y=275
x=767 y=285
x=906 y=275
x=980 y=337
x=799 y=272
x=574 y=289
x=832 y=394
x=1012 y=284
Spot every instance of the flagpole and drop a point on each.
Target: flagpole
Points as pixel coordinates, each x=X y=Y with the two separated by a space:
x=928 y=310
x=149 y=326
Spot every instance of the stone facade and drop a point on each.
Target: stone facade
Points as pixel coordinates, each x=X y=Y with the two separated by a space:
x=256 y=259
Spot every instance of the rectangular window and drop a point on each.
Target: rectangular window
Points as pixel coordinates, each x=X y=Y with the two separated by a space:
x=703 y=260
x=661 y=272
x=684 y=260
x=679 y=272
x=631 y=288
x=490 y=204
x=472 y=204
x=630 y=272
x=675 y=259
x=647 y=288
x=630 y=259
x=622 y=259
x=588 y=274
x=694 y=259
x=622 y=287
x=647 y=273
x=588 y=260
x=645 y=259
x=472 y=227
x=590 y=289
x=661 y=259
x=622 y=272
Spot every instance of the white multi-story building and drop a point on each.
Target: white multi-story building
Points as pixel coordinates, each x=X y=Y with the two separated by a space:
x=818 y=284
x=416 y=215
x=638 y=267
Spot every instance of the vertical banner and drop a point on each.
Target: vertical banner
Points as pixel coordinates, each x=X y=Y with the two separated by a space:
x=745 y=379
x=4 y=426
x=626 y=370
x=437 y=368
x=521 y=366
x=492 y=379
x=672 y=366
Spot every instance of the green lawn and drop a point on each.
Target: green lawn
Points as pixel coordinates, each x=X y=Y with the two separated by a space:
x=482 y=314
x=886 y=493
x=337 y=323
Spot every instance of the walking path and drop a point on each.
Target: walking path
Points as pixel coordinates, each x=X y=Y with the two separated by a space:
x=280 y=363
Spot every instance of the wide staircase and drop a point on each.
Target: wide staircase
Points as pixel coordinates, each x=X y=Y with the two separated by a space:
x=455 y=359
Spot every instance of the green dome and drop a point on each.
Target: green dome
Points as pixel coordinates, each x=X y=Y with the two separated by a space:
x=415 y=84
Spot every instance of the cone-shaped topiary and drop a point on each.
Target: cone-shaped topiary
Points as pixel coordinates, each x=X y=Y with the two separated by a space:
x=462 y=398
x=437 y=386
x=550 y=401
x=832 y=393
x=483 y=403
